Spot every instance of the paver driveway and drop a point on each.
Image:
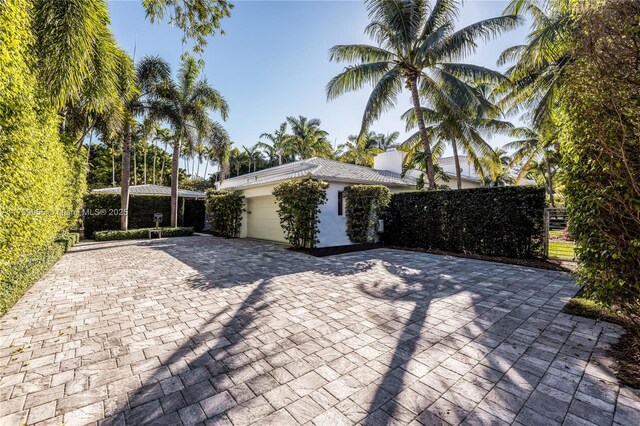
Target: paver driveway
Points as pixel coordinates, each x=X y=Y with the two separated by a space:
x=206 y=330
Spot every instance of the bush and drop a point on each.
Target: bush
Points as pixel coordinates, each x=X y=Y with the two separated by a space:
x=225 y=212
x=135 y=234
x=298 y=202
x=600 y=143
x=363 y=206
x=20 y=276
x=503 y=221
x=102 y=212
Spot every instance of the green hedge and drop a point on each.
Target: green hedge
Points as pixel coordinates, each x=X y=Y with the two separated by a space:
x=21 y=275
x=135 y=234
x=102 y=212
x=225 y=212
x=363 y=206
x=503 y=221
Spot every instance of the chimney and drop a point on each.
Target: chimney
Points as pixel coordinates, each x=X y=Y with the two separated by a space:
x=390 y=160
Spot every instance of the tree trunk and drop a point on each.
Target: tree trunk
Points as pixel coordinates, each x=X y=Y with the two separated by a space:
x=549 y=180
x=163 y=159
x=145 y=165
x=113 y=165
x=175 y=163
x=198 y=169
x=125 y=177
x=413 y=86
x=155 y=152
x=135 y=165
x=206 y=166
x=456 y=160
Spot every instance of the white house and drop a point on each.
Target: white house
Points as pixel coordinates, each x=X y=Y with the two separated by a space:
x=261 y=218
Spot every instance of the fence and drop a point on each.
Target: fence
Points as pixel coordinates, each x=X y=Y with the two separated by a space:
x=558 y=244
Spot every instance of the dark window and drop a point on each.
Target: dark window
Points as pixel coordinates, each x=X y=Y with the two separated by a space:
x=339 y=203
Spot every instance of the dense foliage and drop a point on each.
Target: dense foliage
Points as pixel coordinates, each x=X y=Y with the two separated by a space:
x=22 y=274
x=41 y=179
x=600 y=143
x=136 y=234
x=298 y=208
x=102 y=212
x=501 y=221
x=225 y=210
x=363 y=206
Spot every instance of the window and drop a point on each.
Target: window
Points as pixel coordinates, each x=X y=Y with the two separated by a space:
x=339 y=203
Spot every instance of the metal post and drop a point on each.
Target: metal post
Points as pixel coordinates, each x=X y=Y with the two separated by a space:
x=546 y=232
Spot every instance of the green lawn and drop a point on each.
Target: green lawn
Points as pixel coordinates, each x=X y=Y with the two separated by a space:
x=562 y=250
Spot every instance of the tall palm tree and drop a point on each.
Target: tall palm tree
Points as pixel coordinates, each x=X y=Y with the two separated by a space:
x=417 y=45
x=537 y=76
x=497 y=168
x=277 y=140
x=464 y=128
x=151 y=73
x=307 y=139
x=184 y=104
x=253 y=156
x=236 y=160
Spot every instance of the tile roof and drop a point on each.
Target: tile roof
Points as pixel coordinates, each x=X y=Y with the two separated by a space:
x=319 y=168
x=151 y=190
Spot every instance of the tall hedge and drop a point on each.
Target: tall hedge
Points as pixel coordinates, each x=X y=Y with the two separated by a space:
x=225 y=212
x=364 y=203
x=41 y=177
x=502 y=221
x=600 y=143
x=102 y=212
x=298 y=208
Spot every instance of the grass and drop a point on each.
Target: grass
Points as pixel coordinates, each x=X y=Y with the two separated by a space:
x=626 y=351
x=562 y=250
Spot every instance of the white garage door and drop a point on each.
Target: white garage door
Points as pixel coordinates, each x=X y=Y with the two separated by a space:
x=262 y=219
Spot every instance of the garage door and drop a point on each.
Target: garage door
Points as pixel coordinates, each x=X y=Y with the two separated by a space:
x=262 y=219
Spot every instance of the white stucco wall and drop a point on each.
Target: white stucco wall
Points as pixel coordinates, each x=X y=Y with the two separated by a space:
x=332 y=228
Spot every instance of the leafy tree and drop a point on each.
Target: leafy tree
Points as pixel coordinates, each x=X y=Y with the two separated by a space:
x=497 y=168
x=307 y=139
x=184 y=104
x=198 y=19
x=417 y=45
x=218 y=145
x=360 y=150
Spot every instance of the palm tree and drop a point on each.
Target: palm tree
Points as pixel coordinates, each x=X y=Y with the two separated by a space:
x=417 y=45
x=463 y=127
x=360 y=150
x=534 y=148
x=184 y=104
x=387 y=141
x=151 y=73
x=235 y=160
x=496 y=168
x=218 y=143
x=253 y=156
x=537 y=77
x=277 y=139
x=307 y=139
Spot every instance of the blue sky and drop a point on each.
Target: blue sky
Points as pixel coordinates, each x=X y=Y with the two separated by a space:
x=273 y=62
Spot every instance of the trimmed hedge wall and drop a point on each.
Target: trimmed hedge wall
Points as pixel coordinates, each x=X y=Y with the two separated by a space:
x=102 y=212
x=502 y=221
x=364 y=204
x=134 y=234
x=17 y=279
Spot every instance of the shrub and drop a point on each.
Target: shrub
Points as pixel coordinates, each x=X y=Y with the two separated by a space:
x=600 y=143
x=363 y=206
x=225 y=212
x=503 y=221
x=298 y=202
x=102 y=212
x=21 y=275
x=135 y=234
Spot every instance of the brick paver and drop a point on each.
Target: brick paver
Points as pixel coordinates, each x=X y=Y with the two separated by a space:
x=203 y=330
